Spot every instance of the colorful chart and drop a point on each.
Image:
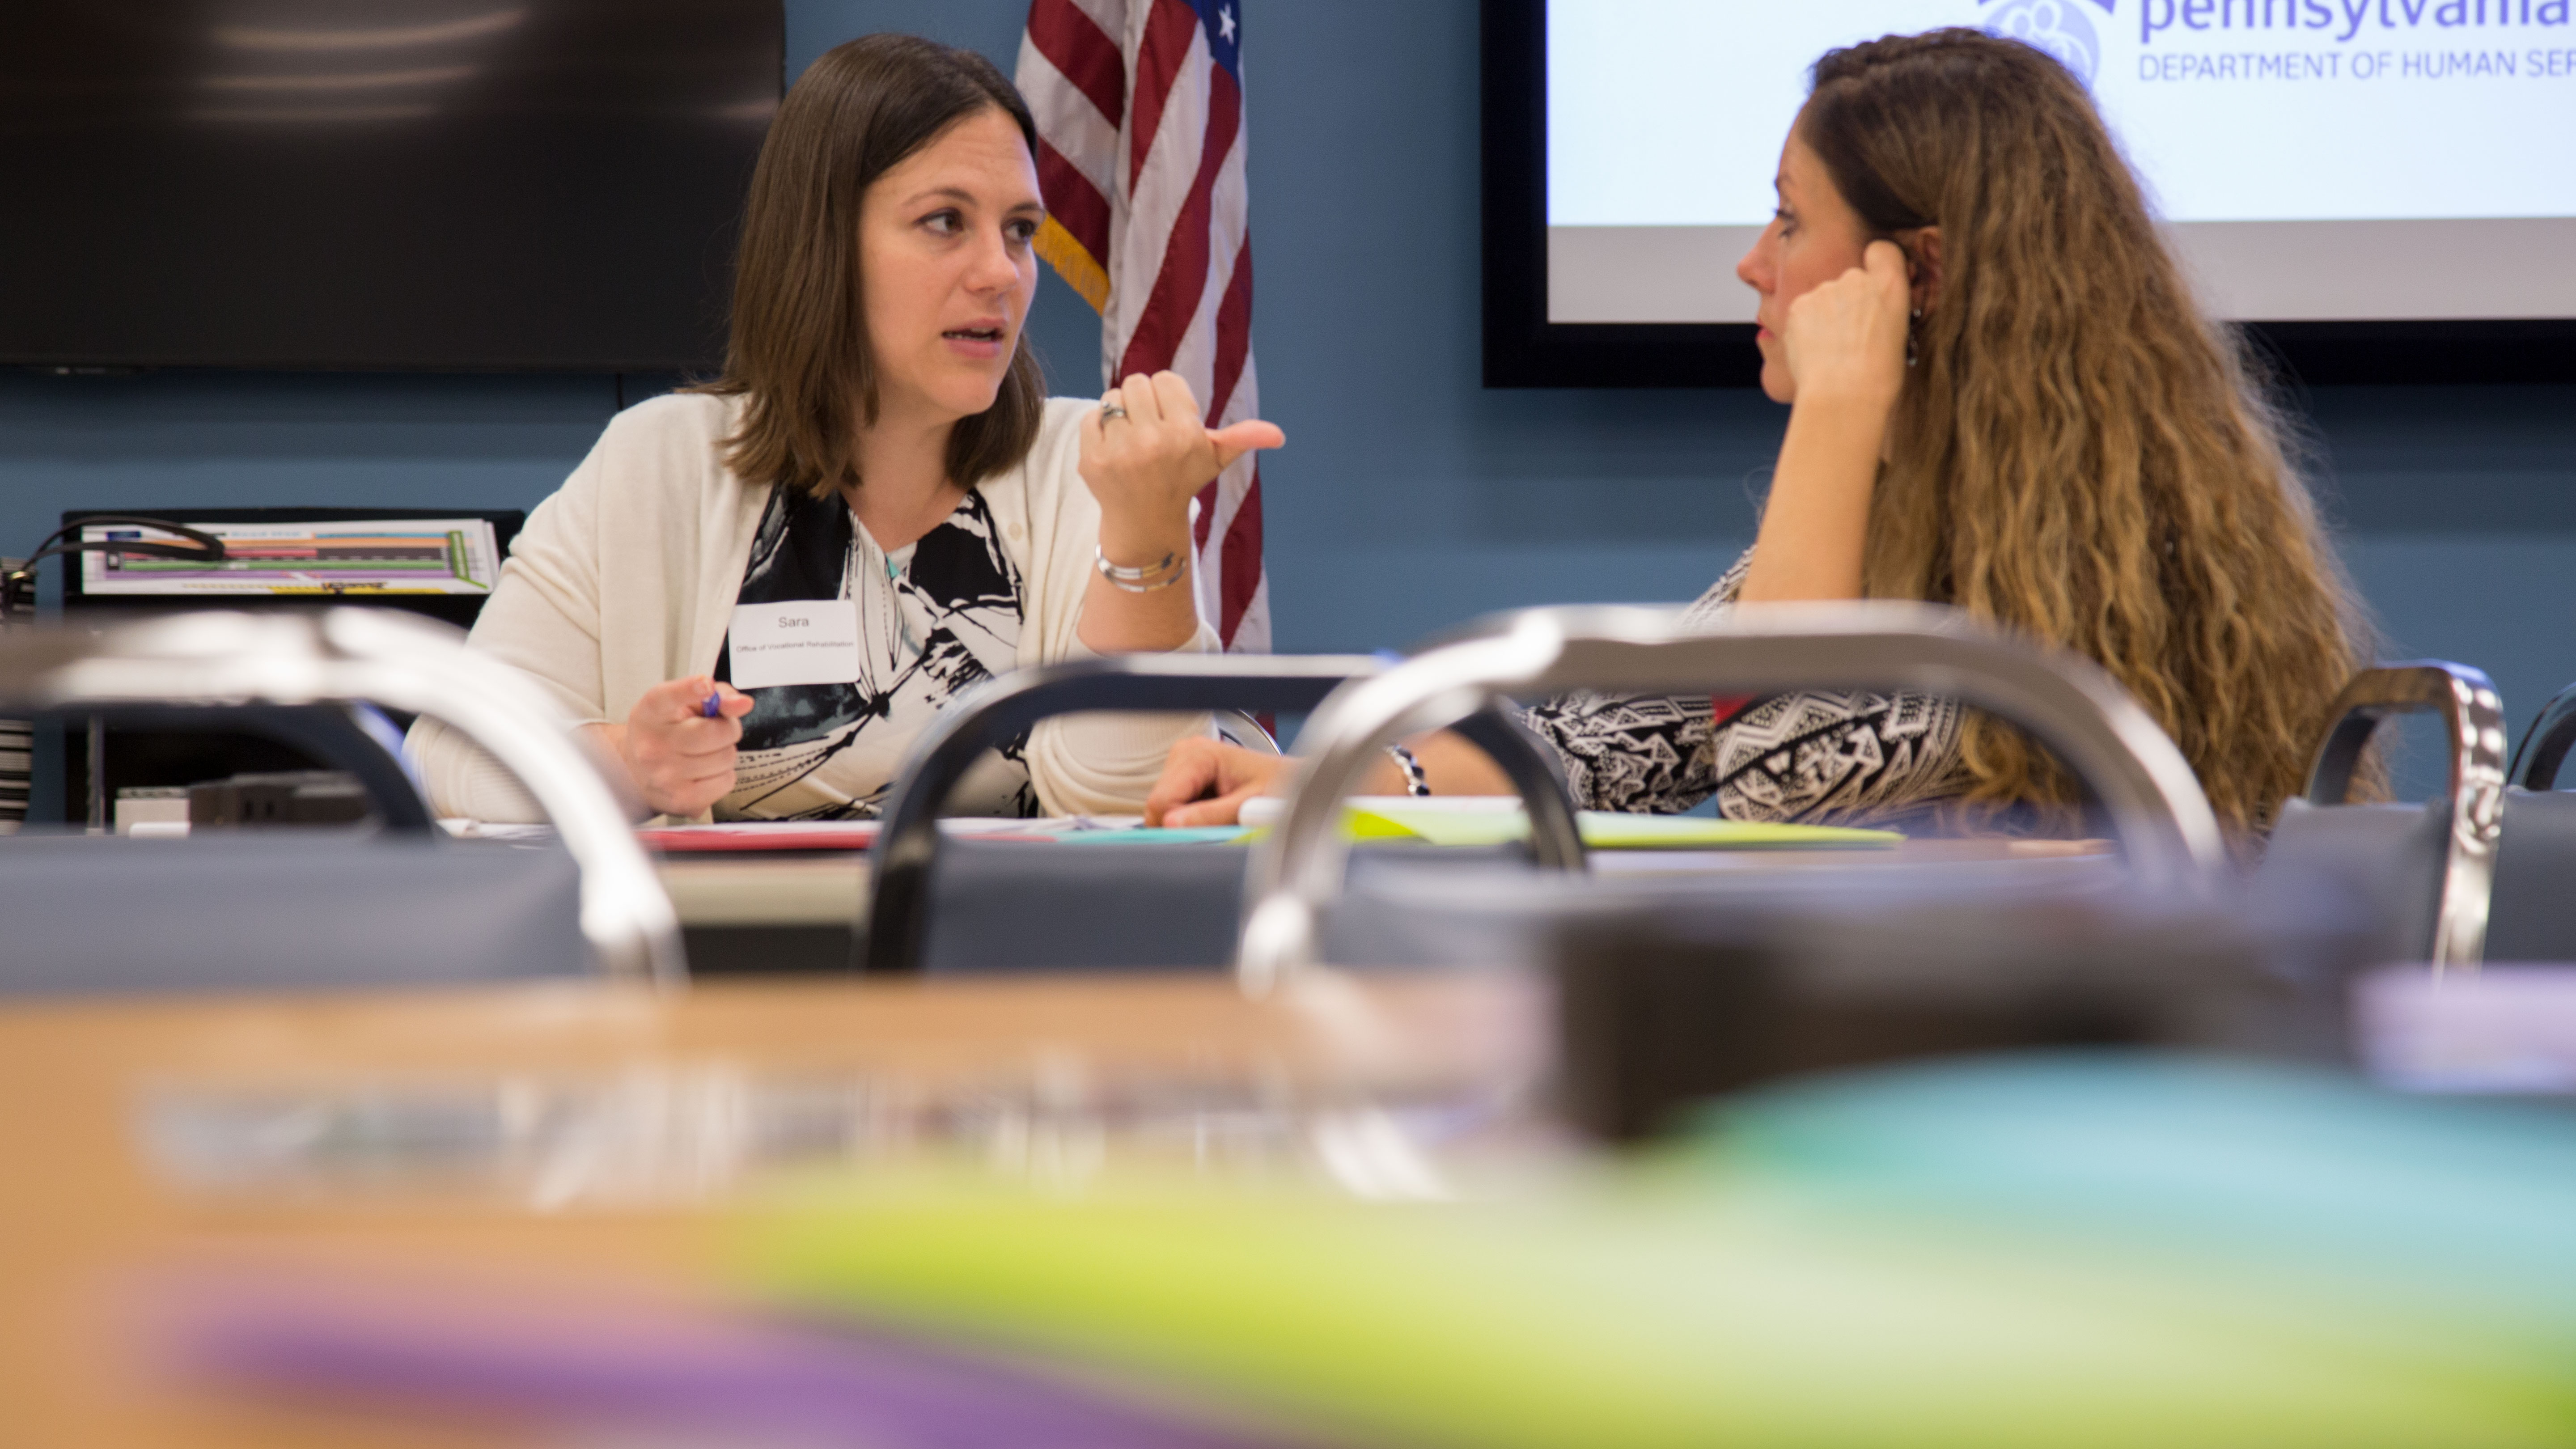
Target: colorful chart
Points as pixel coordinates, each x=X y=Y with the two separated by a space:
x=424 y=556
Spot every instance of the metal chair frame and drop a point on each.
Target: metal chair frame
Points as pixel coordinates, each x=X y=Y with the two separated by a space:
x=2141 y=779
x=2536 y=761
x=220 y=658
x=908 y=841
x=2472 y=716
x=1243 y=727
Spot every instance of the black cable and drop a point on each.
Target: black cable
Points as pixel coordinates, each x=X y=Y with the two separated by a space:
x=18 y=585
x=200 y=544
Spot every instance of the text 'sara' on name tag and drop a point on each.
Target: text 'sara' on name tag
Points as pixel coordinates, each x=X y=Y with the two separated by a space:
x=800 y=641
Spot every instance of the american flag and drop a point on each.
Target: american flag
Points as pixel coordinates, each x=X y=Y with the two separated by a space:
x=1139 y=105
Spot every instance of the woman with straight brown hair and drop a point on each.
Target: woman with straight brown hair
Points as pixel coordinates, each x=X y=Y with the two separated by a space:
x=2001 y=398
x=757 y=592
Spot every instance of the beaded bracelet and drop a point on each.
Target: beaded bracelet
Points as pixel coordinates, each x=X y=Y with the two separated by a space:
x=1415 y=783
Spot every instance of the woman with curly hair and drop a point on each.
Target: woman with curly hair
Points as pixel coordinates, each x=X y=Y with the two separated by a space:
x=2003 y=398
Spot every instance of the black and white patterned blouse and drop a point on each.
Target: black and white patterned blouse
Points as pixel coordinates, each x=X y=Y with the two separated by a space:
x=1816 y=758
x=935 y=617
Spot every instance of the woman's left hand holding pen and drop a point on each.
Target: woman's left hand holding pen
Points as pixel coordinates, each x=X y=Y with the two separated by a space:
x=677 y=744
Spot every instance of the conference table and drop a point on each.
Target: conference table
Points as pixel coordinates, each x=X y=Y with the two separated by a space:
x=99 y=1210
x=797 y=912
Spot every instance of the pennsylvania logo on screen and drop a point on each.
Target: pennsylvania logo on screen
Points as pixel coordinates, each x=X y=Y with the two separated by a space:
x=2058 y=27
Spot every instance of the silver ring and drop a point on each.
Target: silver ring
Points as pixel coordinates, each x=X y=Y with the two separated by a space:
x=1111 y=412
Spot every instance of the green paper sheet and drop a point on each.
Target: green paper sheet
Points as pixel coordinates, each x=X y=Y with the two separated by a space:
x=1608 y=830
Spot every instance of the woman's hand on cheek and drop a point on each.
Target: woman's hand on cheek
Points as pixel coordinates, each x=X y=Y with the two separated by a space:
x=680 y=759
x=1145 y=467
x=1846 y=339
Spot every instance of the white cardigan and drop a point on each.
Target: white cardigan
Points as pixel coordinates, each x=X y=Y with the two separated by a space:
x=627 y=577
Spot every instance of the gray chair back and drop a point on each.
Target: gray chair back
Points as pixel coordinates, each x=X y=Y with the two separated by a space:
x=284 y=910
x=2427 y=871
x=2154 y=803
x=334 y=893
x=2532 y=914
x=967 y=905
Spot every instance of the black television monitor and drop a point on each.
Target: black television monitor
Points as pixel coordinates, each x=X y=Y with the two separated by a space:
x=2386 y=197
x=434 y=185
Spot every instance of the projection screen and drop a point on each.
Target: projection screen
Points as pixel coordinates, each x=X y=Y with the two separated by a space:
x=2314 y=161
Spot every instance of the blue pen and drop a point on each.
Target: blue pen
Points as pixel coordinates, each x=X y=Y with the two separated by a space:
x=714 y=705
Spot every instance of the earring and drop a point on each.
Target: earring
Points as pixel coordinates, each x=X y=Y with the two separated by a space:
x=1914 y=338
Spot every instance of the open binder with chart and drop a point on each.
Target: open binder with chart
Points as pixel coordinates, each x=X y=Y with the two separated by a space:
x=412 y=556
x=439 y=562
x=442 y=562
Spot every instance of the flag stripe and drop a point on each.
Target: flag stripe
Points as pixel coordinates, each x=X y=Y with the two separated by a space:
x=1073 y=202
x=1152 y=208
x=1203 y=517
x=1195 y=357
x=1073 y=43
x=1111 y=17
x=1068 y=121
x=1170 y=27
x=1233 y=344
x=1233 y=332
x=1174 y=302
x=1239 y=564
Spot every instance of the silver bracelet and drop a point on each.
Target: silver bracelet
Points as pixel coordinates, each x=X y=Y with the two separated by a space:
x=1415 y=784
x=1141 y=580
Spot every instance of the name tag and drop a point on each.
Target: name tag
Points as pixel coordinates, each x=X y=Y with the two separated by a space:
x=803 y=641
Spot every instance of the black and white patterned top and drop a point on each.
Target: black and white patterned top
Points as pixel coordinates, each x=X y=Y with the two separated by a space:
x=1814 y=758
x=935 y=617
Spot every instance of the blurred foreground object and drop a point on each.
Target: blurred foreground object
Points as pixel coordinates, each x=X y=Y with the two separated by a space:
x=2085 y=1249
x=2101 y=1247
x=2098 y=1249
x=601 y=1132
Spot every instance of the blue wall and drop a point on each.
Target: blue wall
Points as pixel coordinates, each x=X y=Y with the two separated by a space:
x=1409 y=497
